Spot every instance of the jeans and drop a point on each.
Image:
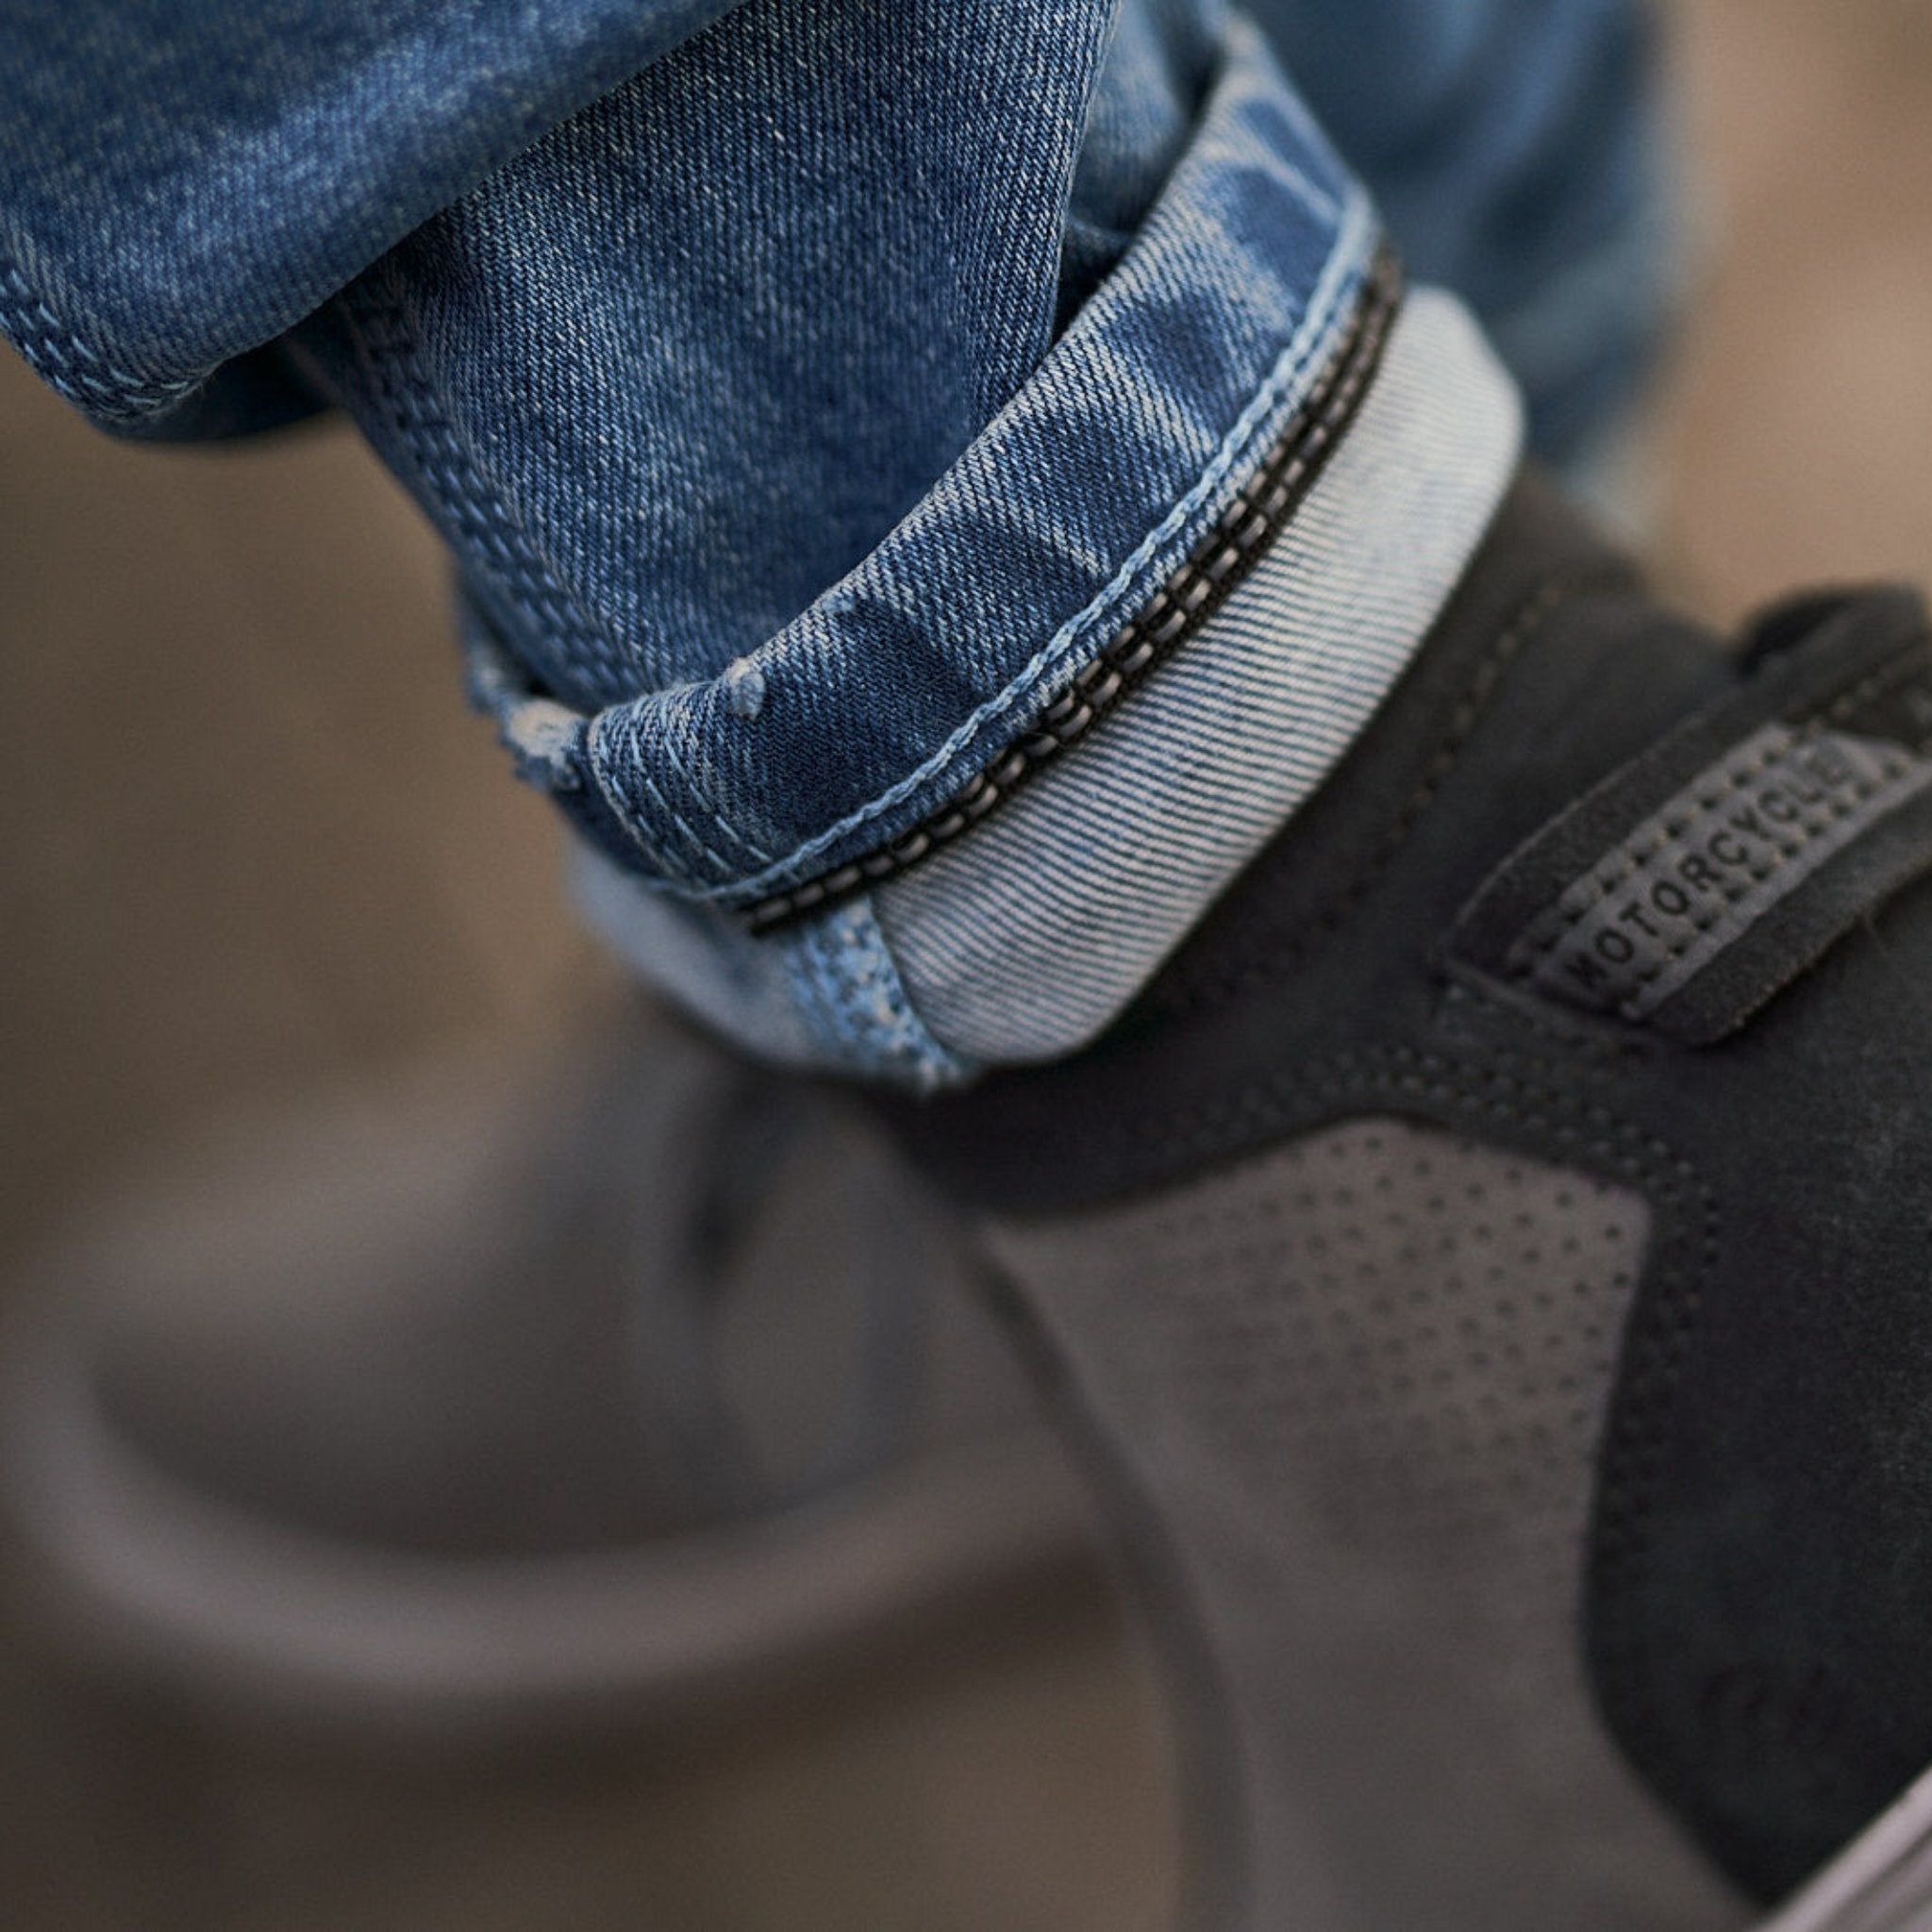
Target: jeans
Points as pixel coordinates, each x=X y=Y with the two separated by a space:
x=837 y=410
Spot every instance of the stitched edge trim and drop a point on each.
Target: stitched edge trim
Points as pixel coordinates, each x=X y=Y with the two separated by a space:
x=1769 y=737
x=66 y=363
x=473 y=512
x=1240 y=537
x=1796 y=852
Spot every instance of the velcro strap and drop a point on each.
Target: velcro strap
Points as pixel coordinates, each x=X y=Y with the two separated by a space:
x=1689 y=887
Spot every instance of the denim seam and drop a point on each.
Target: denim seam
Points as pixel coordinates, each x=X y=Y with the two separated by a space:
x=66 y=363
x=481 y=514
x=382 y=331
x=645 y=843
x=693 y=838
x=744 y=845
x=844 y=968
x=1346 y=267
x=1234 y=544
x=1340 y=276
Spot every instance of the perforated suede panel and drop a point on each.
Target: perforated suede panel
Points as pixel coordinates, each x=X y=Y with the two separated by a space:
x=1361 y=1379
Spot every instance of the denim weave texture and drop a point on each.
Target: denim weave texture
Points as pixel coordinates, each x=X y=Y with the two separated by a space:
x=805 y=389
x=802 y=385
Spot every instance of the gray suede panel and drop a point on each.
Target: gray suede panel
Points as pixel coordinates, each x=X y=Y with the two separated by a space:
x=1360 y=1379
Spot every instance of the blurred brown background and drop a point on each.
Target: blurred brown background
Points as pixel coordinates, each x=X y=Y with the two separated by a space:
x=254 y=841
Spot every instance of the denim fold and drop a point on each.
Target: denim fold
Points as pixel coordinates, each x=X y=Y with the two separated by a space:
x=819 y=398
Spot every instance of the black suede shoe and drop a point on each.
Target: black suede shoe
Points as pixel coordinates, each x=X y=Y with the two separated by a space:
x=1490 y=1262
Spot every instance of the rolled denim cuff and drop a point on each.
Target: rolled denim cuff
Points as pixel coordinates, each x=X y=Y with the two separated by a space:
x=1026 y=934
x=918 y=671
x=960 y=812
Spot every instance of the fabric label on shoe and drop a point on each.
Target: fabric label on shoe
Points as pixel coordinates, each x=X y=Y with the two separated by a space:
x=1683 y=895
x=1693 y=878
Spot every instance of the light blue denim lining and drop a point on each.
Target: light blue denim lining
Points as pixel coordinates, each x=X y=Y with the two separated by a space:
x=823 y=994
x=845 y=979
x=705 y=961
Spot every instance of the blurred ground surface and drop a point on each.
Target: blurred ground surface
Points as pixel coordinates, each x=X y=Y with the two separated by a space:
x=252 y=842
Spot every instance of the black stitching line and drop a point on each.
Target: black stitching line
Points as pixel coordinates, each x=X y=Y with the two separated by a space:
x=1790 y=843
x=1904 y=667
x=1708 y=803
x=1240 y=536
x=1610 y=1051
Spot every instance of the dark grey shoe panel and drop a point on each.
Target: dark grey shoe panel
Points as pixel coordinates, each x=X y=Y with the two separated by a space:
x=490 y=1317
x=488 y=1403
x=1363 y=1376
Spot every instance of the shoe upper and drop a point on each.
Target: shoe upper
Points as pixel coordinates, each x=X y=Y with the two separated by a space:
x=1597 y=895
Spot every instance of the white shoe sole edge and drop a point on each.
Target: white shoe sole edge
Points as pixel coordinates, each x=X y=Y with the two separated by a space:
x=1881 y=1882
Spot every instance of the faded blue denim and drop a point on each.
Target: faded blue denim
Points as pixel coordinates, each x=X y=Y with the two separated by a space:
x=803 y=387
x=179 y=184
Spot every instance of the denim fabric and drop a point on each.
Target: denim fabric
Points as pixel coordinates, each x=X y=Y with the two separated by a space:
x=1027 y=938
x=728 y=747
x=179 y=185
x=805 y=409
x=1517 y=152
